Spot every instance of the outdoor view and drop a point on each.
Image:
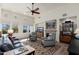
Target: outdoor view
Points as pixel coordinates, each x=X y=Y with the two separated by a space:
x=15 y=28
x=5 y=27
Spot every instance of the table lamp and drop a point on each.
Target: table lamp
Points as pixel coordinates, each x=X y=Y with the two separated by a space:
x=10 y=32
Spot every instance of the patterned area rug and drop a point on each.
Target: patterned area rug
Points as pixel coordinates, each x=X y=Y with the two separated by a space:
x=40 y=49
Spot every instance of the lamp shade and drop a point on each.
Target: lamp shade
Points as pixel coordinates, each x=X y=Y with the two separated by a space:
x=77 y=31
x=10 y=31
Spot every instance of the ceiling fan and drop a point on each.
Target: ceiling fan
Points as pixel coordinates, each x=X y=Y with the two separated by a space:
x=33 y=11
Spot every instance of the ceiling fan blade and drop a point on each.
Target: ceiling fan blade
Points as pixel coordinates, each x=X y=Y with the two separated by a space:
x=29 y=8
x=36 y=9
x=36 y=12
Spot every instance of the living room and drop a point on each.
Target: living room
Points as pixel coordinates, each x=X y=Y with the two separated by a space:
x=39 y=28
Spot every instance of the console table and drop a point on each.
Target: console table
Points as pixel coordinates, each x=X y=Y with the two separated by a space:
x=30 y=50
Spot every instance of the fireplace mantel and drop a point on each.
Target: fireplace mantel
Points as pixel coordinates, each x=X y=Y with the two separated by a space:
x=50 y=30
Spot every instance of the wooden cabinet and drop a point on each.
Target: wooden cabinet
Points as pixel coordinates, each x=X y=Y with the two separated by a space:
x=66 y=35
x=66 y=38
x=40 y=32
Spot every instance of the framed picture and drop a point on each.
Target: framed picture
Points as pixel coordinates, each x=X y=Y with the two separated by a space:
x=15 y=28
x=51 y=24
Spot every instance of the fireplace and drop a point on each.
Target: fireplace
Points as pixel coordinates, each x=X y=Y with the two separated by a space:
x=47 y=34
x=48 y=31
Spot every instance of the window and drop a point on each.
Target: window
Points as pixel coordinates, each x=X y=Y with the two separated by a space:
x=15 y=28
x=0 y=26
x=4 y=28
x=26 y=28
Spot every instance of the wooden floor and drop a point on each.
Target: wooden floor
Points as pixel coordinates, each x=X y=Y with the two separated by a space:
x=62 y=50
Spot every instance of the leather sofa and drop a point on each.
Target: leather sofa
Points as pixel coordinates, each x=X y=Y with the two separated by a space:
x=6 y=47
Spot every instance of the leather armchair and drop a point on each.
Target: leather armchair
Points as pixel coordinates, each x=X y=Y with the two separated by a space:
x=33 y=36
x=50 y=40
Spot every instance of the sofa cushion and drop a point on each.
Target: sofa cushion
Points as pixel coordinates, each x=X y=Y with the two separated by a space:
x=49 y=38
x=17 y=45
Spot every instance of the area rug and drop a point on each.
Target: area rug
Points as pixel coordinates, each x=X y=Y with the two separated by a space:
x=40 y=49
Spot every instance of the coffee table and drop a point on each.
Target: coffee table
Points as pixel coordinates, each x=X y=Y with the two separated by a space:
x=29 y=50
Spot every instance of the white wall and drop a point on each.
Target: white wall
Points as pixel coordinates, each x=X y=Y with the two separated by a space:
x=56 y=13
x=8 y=17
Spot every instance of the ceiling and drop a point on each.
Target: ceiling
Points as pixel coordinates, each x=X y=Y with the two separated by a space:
x=22 y=7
